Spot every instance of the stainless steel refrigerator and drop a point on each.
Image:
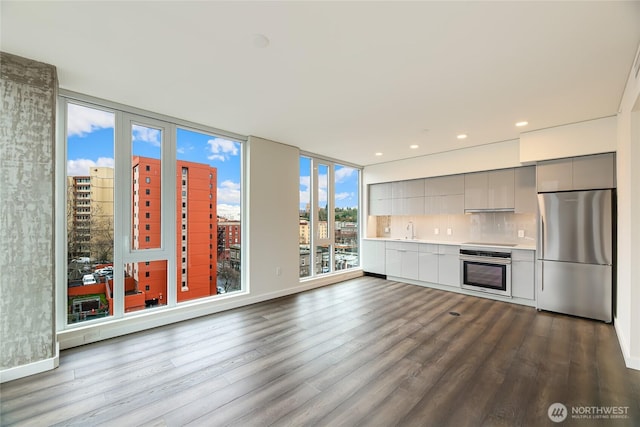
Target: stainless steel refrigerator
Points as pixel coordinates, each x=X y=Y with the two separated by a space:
x=575 y=253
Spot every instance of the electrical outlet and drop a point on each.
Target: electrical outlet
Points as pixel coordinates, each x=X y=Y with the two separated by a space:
x=436 y=231
x=449 y=231
x=521 y=233
x=278 y=271
x=387 y=229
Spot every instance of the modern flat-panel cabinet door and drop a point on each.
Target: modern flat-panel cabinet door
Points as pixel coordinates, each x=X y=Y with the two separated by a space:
x=402 y=260
x=594 y=172
x=449 y=265
x=555 y=175
x=525 y=191
x=476 y=187
x=452 y=204
x=393 y=260
x=380 y=199
x=428 y=263
x=501 y=189
x=414 y=206
x=373 y=256
x=523 y=274
x=380 y=207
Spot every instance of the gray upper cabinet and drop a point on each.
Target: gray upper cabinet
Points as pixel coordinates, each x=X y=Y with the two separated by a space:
x=380 y=199
x=380 y=191
x=577 y=173
x=407 y=189
x=501 y=189
x=525 y=192
x=444 y=185
x=594 y=172
x=492 y=190
x=444 y=195
x=407 y=197
x=476 y=186
x=555 y=175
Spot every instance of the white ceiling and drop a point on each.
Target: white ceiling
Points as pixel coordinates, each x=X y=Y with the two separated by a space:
x=342 y=79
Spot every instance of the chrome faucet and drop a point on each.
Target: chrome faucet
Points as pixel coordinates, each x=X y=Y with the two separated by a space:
x=410 y=231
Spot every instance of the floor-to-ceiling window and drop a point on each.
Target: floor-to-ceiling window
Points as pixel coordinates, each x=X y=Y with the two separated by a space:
x=328 y=216
x=152 y=208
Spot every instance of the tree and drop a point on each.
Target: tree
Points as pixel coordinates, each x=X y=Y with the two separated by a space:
x=229 y=278
x=101 y=234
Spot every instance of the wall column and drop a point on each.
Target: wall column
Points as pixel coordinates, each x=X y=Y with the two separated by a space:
x=27 y=270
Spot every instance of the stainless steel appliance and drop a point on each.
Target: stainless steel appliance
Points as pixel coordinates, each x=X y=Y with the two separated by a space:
x=486 y=270
x=575 y=253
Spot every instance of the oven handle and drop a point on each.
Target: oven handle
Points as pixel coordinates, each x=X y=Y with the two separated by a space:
x=486 y=259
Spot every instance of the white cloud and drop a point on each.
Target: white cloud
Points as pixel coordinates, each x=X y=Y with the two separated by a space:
x=305 y=191
x=229 y=192
x=80 y=167
x=81 y=121
x=145 y=134
x=221 y=149
x=343 y=196
x=322 y=197
x=342 y=173
x=323 y=181
x=228 y=211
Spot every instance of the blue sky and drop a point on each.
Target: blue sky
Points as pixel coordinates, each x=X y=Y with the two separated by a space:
x=90 y=142
x=346 y=185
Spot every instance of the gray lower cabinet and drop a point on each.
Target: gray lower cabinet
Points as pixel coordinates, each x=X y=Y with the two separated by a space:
x=373 y=256
x=402 y=260
x=428 y=263
x=449 y=265
x=523 y=274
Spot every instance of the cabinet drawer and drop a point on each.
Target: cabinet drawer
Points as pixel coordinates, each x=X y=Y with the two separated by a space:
x=428 y=248
x=402 y=246
x=523 y=255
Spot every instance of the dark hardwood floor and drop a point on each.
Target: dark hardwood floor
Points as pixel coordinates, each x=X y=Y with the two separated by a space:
x=363 y=352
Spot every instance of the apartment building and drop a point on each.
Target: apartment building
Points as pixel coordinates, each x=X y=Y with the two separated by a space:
x=90 y=214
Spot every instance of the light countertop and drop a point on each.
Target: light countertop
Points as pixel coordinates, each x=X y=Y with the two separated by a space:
x=521 y=246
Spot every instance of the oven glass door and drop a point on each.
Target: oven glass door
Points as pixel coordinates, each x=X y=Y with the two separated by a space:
x=485 y=275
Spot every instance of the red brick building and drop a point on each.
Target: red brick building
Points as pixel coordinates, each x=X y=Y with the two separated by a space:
x=196 y=230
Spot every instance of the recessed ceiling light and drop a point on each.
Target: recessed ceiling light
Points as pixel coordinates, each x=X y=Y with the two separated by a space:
x=260 y=41
x=413 y=146
x=462 y=136
x=522 y=123
x=378 y=154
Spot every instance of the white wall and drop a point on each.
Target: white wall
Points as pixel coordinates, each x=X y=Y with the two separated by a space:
x=491 y=156
x=627 y=316
x=273 y=173
x=576 y=139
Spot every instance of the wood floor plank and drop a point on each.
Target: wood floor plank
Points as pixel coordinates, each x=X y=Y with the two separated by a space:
x=367 y=352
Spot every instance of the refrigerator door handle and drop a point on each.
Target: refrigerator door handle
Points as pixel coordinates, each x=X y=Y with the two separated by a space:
x=541 y=239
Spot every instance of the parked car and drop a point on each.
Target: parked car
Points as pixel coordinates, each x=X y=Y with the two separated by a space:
x=89 y=279
x=104 y=271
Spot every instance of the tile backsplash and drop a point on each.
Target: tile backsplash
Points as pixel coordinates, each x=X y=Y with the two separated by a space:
x=498 y=227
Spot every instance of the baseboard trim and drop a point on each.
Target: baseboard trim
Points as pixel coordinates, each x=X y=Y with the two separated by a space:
x=629 y=361
x=29 y=369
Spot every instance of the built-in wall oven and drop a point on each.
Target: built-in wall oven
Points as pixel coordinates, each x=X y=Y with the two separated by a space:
x=486 y=270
